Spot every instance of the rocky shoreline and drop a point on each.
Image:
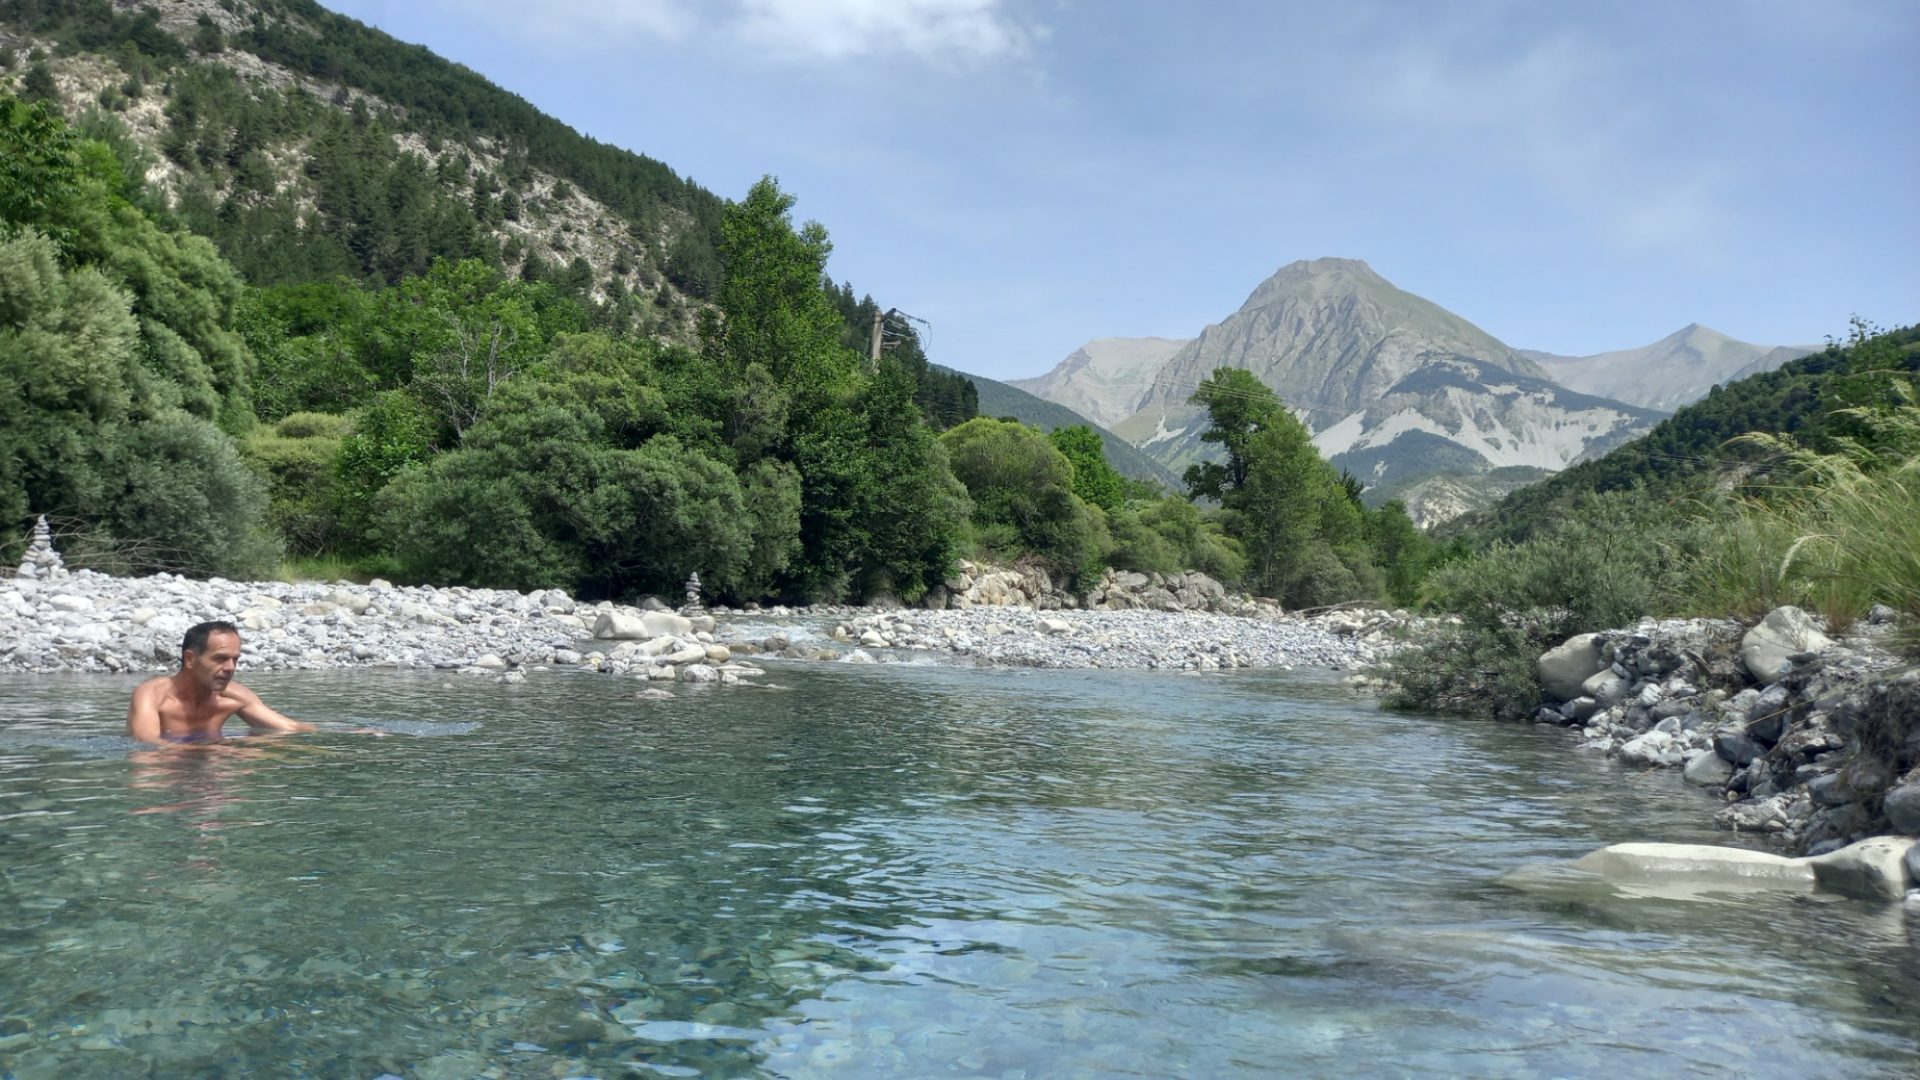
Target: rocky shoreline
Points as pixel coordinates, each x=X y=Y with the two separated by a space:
x=1811 y=740
x=56 y=621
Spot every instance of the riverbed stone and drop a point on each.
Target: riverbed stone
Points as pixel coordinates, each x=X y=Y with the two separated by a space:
x=1652 y=748
x=1607 y=688
x=1707 y=769
x=1579 y=709
x=1737 y=748
x=1902 y=807
x=1768 y=648
x=621 y=626
x=1696 y=861
x=1874 y=867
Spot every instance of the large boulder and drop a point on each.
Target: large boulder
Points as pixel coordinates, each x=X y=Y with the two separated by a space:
x=621 y=626
x=1767 y=649
x=660 y=623
x=1565 y=668
x=1876 y=866
x=1696 y=861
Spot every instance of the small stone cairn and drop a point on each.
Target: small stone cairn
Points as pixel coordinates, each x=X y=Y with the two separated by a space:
x=41 y=561
x=693 y=596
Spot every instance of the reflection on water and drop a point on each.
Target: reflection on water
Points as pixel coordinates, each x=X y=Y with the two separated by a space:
x=884 y=872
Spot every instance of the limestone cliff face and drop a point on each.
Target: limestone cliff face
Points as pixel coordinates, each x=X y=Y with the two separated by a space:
x=1676 y=370
x=1105 y=379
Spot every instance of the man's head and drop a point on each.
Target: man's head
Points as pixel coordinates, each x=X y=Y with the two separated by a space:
x=210 y=652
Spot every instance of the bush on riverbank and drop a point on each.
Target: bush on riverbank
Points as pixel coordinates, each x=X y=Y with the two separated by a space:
x=1605 y=565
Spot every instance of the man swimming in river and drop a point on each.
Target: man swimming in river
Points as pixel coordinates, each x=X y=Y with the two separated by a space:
x=193 y=704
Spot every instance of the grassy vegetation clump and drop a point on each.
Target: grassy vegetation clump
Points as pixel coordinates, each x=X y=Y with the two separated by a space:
x=1610 y=561
x=1838 y=535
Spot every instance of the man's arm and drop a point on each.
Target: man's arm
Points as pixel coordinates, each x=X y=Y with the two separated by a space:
x=259 y=716
x=143 y=714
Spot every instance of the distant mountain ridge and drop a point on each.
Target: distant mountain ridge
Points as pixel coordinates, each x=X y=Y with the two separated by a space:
x=1677 y=370
x=1401 y=392
x=1105 y=379
x=1394 y=386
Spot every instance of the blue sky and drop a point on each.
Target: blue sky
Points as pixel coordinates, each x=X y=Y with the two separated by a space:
x=1030 y=174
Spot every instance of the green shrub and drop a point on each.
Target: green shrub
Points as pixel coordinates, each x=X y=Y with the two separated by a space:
x=310 y=425
x=1022 y=492
x=303 y=480
x=181 y=499
x=1612 y=559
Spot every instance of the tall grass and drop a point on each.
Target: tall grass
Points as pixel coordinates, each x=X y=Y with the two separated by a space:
x=1840 y=535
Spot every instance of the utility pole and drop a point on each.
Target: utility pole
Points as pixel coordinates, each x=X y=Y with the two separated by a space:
x=879 y=331
x=878 y=340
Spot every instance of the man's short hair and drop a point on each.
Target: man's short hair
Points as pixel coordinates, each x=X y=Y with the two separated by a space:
x=197 y=635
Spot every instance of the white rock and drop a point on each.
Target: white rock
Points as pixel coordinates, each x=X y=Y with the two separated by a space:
x=69 y=602
x=699 y=673
x=1876 y=866
x=491 y=662
x=1696 y=861
x=1784 y=632
x=1566 y=666
x=621 y=626
x=658 y=623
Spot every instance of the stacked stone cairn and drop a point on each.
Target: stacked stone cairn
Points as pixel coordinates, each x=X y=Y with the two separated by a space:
x=1809 y=739
x=41 y=562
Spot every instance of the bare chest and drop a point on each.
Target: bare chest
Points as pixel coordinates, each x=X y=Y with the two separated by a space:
x=181 y=717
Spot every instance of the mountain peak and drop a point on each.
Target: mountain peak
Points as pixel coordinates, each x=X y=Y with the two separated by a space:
x=1315 y=277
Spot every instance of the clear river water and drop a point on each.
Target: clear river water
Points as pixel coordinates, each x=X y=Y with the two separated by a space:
x=887 y=871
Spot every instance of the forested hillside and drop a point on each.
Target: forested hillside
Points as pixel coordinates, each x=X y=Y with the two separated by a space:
x=307 y=145
x=273 y=285
x=1693 y=449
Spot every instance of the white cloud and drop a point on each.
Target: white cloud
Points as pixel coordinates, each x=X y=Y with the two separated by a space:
x=942 y=32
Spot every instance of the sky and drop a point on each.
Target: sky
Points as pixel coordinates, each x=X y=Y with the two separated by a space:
x=1027 y=175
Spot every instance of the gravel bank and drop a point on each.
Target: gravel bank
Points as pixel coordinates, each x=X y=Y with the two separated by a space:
x=87 y=622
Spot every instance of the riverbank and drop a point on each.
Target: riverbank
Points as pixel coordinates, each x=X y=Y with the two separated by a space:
x=1810 y=738
x=86 y=622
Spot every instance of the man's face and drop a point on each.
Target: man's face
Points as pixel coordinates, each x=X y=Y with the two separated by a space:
x=213 y=667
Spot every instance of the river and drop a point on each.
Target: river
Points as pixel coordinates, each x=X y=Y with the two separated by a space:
x=886 y=871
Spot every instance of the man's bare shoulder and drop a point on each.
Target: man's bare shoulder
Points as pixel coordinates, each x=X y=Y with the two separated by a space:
x=157 y=686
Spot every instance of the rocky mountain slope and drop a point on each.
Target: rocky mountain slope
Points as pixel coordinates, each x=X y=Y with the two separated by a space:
x=1393 y=385
x=1677 y=370
x=1106 y=379
x=307 y=145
